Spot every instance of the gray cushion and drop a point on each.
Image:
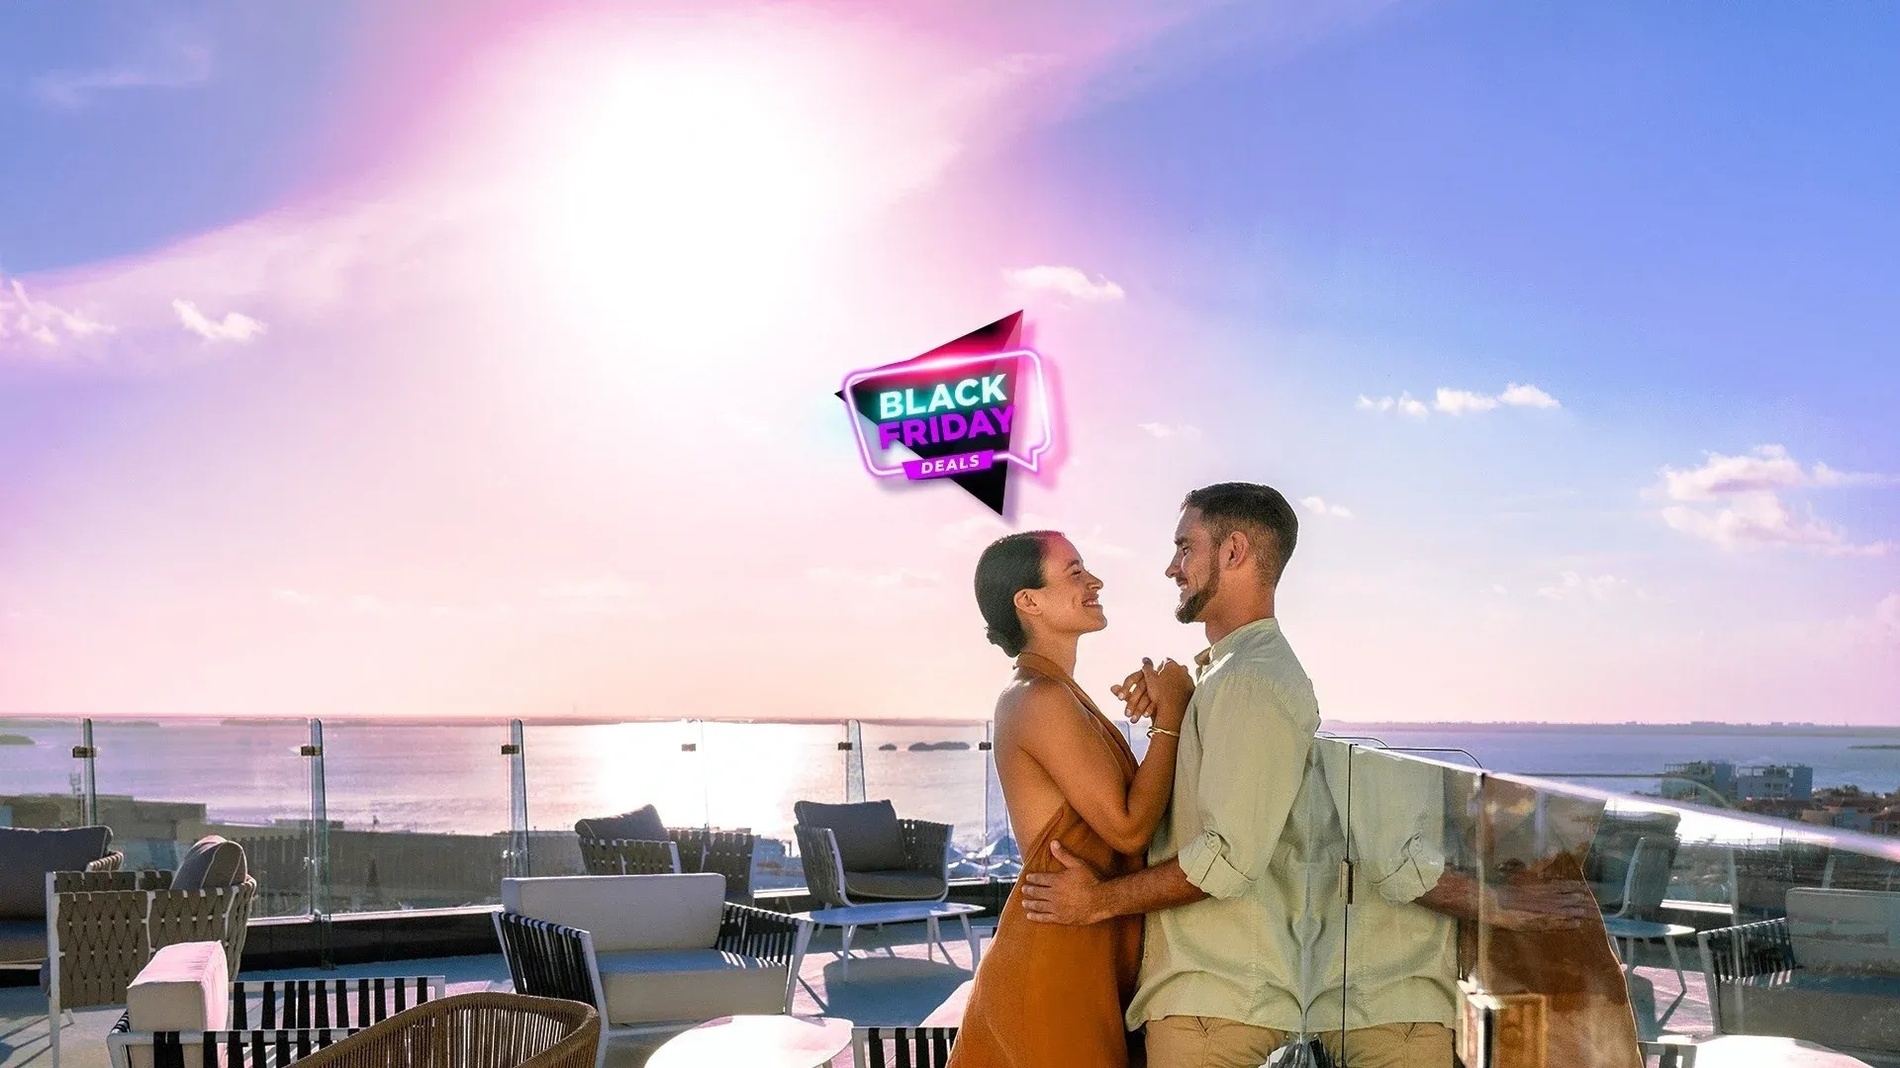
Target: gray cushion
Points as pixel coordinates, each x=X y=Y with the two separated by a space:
x=27 y=855
x=640 y=825
x=867 y=833
x=22 y=941
x=689 y=984
x=211 y=862
x=894 y=885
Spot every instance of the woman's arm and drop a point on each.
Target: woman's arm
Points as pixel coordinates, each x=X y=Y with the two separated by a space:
x=1049 y=726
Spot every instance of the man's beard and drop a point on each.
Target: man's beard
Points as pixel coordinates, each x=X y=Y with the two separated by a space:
x=1190 y=610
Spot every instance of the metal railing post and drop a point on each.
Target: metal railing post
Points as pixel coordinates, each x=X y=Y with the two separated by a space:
x=853 y=746
x=88 y=755
x=517 y=753
x=317 y=862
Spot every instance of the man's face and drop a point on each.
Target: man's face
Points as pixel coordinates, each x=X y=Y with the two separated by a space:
x=1193 y=568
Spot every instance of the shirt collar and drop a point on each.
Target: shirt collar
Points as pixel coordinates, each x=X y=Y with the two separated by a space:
x=1254 y=631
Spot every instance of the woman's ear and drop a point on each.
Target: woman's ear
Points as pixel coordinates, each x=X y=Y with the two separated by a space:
x=1025 y=602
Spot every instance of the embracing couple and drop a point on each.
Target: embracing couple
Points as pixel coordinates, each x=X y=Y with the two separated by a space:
x=1181 y=840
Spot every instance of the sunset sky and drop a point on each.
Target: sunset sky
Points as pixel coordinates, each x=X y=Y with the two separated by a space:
x=478 y=358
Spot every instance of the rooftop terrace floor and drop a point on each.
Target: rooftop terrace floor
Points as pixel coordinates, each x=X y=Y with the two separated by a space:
x=891 y=982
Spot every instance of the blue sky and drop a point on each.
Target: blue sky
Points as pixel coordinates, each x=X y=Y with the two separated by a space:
x=342 y=365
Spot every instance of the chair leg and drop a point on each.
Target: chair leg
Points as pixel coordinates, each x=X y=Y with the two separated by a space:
x=844 y=966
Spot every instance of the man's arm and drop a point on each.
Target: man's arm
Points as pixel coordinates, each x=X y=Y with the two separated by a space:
x=1078 y=895
x=1544 y=906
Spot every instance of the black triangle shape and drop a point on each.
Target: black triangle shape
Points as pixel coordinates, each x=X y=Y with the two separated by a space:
x=991 y=487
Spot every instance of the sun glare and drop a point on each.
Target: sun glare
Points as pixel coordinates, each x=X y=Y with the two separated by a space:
x=681 y=202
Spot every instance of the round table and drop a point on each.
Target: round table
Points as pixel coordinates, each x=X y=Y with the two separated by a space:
x=756 y=1042
x=1759 y=1051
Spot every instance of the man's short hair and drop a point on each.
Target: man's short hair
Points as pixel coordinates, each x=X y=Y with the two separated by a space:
x=1258 y=510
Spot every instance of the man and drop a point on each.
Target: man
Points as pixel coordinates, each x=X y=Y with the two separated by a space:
x=1220 y=975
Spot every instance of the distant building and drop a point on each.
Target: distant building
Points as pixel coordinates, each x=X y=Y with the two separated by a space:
x=1763 y=782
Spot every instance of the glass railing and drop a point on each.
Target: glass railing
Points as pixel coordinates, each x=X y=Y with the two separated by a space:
x=354 y=815
x=1403 y=875
x=1587 y=919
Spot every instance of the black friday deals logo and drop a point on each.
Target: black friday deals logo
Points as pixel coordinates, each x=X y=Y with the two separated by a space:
x=964 y=411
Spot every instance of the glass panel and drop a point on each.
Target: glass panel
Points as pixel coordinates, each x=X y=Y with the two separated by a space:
x=584 y=771
x=755 y=771
x=1000 y=855
x=1411 y=881
x=934 y=772
x=42 y=780
x=418 y=814
x=162 y=786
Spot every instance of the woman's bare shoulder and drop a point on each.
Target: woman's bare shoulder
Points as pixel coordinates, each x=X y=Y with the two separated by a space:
x=1032 y=702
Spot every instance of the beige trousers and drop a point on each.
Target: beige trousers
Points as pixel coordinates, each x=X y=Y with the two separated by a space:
x=1211 y=1042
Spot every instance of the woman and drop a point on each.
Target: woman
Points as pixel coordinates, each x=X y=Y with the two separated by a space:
x=1048 y=995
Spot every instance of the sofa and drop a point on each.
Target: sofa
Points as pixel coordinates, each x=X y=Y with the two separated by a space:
x=26 y=857
x=1827 y=972
x=647 y=951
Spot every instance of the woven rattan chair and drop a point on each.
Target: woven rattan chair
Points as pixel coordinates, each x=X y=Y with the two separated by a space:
x=902 y=1047
x=925 y=875
x=684 y=850
x=104 y=926
x=473 y=1031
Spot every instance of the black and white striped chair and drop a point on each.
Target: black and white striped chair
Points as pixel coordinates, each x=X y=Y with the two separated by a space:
x=902 y=1047
x=275 y=1022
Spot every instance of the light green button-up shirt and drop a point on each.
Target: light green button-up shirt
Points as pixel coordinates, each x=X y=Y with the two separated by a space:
x=1239 y=767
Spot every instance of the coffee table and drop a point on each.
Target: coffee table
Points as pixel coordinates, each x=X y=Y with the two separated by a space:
x=852 y=917
x=756 y=1042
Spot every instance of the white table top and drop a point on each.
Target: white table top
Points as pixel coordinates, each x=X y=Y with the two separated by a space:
x=757 y=1042
x=1758 y=1051
x=888 y=912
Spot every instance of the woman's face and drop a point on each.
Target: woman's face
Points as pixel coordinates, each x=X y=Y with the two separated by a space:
x=1068 y=602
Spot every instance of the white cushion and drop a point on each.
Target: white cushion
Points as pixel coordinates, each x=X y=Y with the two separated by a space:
x=184 y=987
x=1845 y=930
x=691 y=984
x=626 y=912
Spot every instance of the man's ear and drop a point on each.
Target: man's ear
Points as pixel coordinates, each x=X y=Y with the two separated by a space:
x=1236 y=548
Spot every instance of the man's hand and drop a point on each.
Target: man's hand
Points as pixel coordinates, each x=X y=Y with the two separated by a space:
x=1539 y=906
x=1068 y=896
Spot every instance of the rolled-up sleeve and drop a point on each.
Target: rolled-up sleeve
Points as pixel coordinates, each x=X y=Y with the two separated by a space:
x=1412 y=870
x=1253 y=752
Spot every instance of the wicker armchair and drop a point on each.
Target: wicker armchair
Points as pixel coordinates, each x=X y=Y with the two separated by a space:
x=684 y=850
x=923 y=876
x=473 y=1031
x=105 y=925
x=892 y=1047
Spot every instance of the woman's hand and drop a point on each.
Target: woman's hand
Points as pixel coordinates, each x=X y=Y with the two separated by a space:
x=1157 y=693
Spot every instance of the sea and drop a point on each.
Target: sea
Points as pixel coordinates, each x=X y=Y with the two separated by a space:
x=456 y=777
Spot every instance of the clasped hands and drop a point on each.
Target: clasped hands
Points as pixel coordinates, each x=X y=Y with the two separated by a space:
x=1158 y=694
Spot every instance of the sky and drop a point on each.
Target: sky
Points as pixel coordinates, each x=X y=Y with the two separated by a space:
x=478 y=359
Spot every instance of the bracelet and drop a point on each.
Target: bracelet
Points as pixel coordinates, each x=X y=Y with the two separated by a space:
x=1152 y=731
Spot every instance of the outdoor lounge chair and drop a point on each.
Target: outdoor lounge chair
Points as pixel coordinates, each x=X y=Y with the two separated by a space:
x=902 y=1047
x=863 y=854
x=1828 y=972
x=26 y=857
x=649 y=952
x=105 y=926
x=472 y=1031
x=637 y=843
x=275 y=1021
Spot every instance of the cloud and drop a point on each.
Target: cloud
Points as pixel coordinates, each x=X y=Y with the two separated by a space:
x=1065 y=280
x=610 y=595
x=1736 y=502
x=1319 y=505
x=178 y=66
x=1571 y=586
x=1448 y=401
x=33 y=330
x=1165 y=431
x=235 y=326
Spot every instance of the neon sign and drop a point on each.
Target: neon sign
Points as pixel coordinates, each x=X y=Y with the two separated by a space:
x=963 y=411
